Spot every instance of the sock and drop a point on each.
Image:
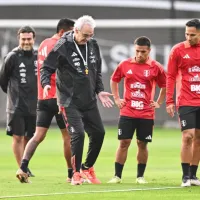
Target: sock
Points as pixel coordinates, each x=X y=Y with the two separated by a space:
x=193 y=170
x=118 y=169
x=186 y=169
x=70 y=172
x=140 y=169
x=24 y=165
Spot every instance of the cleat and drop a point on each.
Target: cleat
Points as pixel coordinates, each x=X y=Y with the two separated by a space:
x=90 y=176
x=77 y=179
x=68 y=180
x=141 y=180
x=22 y=176
x=30 y=173
x=186 y=182
x=115 y=179
x=195 y=181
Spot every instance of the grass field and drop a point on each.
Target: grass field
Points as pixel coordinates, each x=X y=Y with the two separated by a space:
x=163 y=170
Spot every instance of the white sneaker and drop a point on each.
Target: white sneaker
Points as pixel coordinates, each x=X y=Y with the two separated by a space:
x=141 y=180
x=115 y=179
x=186 y=182
x=195 y=181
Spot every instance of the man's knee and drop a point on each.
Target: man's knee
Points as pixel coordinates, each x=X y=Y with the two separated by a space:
x=18 y=139
x=40 y=134
x=142 y=145
x=187 y=137
x=124 y=144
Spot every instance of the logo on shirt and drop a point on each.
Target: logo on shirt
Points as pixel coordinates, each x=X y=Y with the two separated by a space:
x=186 y=56
x=195 y=88
x=138 y=94
x=76 y=59
x=148 y=137
x=146 y=73
x=77 y=64
x=43 y=52
x=196 y=78
x=194 y=69
x=183 y=123
x=119 y=131
x=129 y=71
x=139 y=105
x=138 y=85
x=74 y=54
x=21 y=65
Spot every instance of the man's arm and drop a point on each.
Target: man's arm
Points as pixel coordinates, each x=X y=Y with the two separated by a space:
x=6 y=70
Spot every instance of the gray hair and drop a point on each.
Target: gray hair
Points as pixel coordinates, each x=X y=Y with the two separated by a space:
x=85 y=19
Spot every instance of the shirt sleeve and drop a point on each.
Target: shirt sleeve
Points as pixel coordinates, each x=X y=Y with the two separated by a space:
x=118 y=73
x=161 y=76
x=6 y=70
x=172 y=71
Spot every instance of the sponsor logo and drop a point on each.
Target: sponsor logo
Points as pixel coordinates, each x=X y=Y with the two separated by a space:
x=195 y=88
x=92 y=61
x=194 y=69
x=74 y=54
x=23 y=74
x=79 y=69
x=139 y=105
x=23 y=80
x=148 y=137
x=138 y=94
x=21 y=65
x=196 y=78
x=76 y=59
x=186 y=56
x=71 y=129
x=77 y=64
x=138 y=85
x=22 y=70
x=129 y=71
x=119 y=131
x=146 y=73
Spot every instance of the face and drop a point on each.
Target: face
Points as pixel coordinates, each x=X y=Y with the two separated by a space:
x=83 y=35
x=26 y=41
x=141 y=53
x=192 y=35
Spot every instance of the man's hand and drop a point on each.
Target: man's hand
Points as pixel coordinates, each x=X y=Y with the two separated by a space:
x=154 y=104
x=46 y=91
x=105 y=100
x=170 y=110
x=120 y=102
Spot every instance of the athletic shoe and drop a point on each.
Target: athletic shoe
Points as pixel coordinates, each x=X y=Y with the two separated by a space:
x=30 y=173
x=141 y=180
x=186 y=182
x=195 y=181
x=22 y=176
x=68 y=180
x=77 y=179
x=90 y=176
x=115 y=179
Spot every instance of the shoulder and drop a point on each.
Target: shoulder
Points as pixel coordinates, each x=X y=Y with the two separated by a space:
x=177 y=47
x=12 y=55
x=65 y=39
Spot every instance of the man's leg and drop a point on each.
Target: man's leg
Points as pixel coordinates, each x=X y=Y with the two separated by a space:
x=76 y=130
x=126 y=129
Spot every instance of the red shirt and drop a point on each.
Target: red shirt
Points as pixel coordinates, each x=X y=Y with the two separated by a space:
x=44 y=49
x=139 y=86
x=184 y=70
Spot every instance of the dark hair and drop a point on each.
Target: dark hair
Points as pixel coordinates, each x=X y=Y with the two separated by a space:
x=143 y=41
x=26 y=29
x=65 y=24
x=193 y=23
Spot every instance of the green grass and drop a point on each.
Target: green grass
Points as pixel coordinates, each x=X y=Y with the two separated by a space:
x=48 y=164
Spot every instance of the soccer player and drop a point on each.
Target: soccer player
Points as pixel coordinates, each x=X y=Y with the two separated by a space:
x=47 y=107
x=137 y=109
x=18 y=78
x=77 y=61
x=184 y=69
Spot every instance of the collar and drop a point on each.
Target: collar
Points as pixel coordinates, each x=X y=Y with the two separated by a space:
x=187 y=44
x=148 y=61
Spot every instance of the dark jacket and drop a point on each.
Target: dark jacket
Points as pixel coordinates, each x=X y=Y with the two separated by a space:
x=74 y=86
x=18 y=78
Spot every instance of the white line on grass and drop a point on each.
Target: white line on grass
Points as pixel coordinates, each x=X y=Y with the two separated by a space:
x=87 y=192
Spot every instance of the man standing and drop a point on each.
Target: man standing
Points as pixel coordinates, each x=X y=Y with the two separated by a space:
x=18 y=78
x=47 y=108
x=77 y=59
x=184 y=69
x=137 y=109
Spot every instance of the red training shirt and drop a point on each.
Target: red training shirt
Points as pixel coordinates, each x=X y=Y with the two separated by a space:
x=44 y=49
x=184 y=70
x=139 y=86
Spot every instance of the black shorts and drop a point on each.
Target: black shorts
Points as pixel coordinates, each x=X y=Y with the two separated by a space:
x=128 y=125
x=20 y=125
x=46 y=110
x=189 y=117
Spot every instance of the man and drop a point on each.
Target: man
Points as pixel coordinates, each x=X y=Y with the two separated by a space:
x=184 y=69
x=141 y=74
x=76 y=57
x=18 y=78
x=47 y=108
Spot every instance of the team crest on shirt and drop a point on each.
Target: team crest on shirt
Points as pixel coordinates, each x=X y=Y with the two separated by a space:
x=146 y=73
